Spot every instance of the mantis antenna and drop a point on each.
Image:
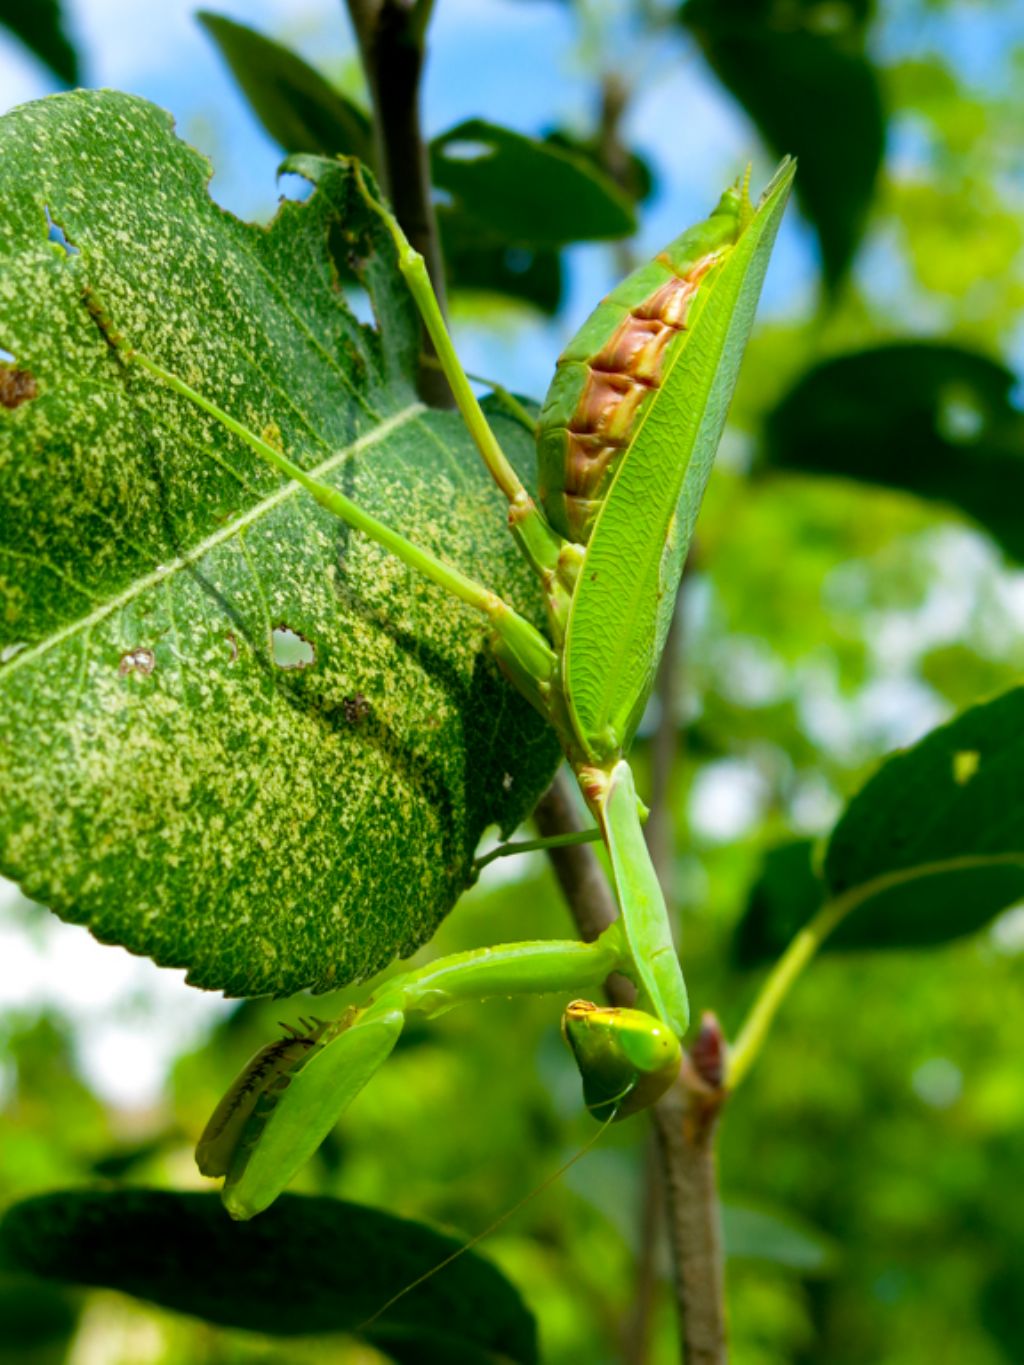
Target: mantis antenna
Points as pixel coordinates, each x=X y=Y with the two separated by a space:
x=545 y=1184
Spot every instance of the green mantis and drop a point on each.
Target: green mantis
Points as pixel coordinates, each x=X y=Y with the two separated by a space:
x=626 y=439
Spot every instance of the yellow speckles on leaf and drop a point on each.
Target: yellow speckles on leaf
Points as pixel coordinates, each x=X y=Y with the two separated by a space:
x=965 y=764
x=271 y=433
x=279 y=829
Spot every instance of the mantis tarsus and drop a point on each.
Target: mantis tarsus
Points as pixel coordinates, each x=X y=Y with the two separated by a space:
x=626 y=439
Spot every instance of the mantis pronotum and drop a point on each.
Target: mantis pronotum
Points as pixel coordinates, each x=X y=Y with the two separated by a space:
x=626 y=439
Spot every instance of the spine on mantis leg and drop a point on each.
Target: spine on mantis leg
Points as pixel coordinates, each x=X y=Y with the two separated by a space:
x=611 y=370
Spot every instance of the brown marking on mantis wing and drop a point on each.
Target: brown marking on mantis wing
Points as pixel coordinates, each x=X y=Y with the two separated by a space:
x=623 y=375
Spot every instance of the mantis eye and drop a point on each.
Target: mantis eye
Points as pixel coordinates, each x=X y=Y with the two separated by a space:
x=627 y=1058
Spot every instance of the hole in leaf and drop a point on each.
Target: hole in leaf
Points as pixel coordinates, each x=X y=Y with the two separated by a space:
x=7 y=357
x=295 y=188
x=466 y=149
x=232 y=644
x=290 y=649
x=137 y=661
x=960 y=417
x=55 y=233
x=358 y=301
x=12 y=651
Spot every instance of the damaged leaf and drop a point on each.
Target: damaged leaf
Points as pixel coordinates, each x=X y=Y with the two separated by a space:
x=165 y=778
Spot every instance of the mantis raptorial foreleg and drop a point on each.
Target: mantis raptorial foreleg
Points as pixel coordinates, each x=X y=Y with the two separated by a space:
x=625 y=442
x=292 y=1092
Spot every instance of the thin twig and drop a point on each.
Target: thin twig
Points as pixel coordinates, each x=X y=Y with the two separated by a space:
x=684 y=1119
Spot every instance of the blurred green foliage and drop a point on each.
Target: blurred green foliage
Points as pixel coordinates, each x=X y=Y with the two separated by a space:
x=873 y=1164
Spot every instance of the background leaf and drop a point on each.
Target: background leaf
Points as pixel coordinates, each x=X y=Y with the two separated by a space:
x=40 y=26
x=525 y=192
x=755 y=1234
x=787 y=893
x=487 y=265
x=296 y=105
x=936 y=420
x=172 y=778
x=305 y=1266
x=800 y=72
x=36 y=1321
x=931 y=849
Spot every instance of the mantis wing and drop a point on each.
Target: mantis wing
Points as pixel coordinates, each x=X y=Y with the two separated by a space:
x=623 y=601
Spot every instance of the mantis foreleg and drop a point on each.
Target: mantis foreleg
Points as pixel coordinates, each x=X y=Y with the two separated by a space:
x=297 y=1104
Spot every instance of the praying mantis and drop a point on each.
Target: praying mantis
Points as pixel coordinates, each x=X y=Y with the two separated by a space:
x=626 y=438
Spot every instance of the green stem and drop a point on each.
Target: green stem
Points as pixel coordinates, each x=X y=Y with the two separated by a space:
x=508 y=401
x=525 y=643
x=780 y=980
x=583 y=836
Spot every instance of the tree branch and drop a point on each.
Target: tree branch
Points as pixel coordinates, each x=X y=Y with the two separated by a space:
x=391 y=37
x=684 y=1120
x=685 y=1123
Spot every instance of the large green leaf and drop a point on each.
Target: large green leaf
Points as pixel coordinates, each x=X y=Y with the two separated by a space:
x=238 y=738
x=931 y=849
x=40 y=26
x=305 y=1266
x=799 y=69
x=936 y=420
x=295 y=104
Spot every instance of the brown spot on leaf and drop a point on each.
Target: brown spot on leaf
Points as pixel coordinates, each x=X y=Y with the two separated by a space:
x=137 y=661
x=355 y=709
x=16 y=386
x=232 y=646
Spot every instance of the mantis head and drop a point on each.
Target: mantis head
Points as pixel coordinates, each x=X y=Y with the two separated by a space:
x=627 y=1058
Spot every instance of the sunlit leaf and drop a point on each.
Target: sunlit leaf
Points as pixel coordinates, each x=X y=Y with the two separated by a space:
x=239 y=738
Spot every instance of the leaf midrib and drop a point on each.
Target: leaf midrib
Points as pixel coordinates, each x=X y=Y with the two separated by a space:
x=854 y=897
x=165 y=572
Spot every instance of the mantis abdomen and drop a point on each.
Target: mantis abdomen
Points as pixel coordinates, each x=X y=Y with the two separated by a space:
x=611 y=370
